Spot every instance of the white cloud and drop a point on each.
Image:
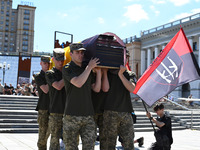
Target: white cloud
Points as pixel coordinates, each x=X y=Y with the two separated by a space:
x=179 y=2
x=183 y=15
x=136 y=13
x=154 y=10
x=62 y=15
x=197 y=0
x=101 y=20
x=158 y=1
x=124 y=24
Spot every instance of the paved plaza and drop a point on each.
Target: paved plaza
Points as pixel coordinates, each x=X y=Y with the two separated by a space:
x=183 y=140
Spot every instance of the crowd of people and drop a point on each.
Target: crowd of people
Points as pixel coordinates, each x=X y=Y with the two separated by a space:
x=23 y=89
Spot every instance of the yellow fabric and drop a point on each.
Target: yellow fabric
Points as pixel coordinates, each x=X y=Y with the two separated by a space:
x=67 y=57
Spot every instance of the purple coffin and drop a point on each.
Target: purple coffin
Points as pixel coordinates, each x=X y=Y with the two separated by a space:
x=108 y=47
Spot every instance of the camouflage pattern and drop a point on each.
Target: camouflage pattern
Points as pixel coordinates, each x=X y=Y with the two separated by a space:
x=98 y=118
x=56 y=124
x=44 y=132
x=73 y=126
x=118 y=123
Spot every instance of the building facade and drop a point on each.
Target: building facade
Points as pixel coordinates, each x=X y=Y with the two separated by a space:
x=16 y=28
x=153 y=41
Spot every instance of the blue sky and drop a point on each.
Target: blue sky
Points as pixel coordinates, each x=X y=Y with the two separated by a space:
x=86 y=18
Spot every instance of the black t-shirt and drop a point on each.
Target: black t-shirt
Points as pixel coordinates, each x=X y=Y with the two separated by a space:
x=43 y=101
x=118 y=98
x=78 y=100
x=167 y=128
x=57 y=97
x=98 y=100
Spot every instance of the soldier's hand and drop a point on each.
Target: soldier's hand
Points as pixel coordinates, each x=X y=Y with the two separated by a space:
x=93 y=63
x=122 y=69
x=148 y=114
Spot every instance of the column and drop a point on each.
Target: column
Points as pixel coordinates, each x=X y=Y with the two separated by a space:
x=143 y=61
x=199 y=51
x=191 y=42
x=156 y=51
x=148 y=57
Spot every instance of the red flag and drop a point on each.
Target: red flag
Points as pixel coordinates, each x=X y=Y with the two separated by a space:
x=128 y=67
x=175 y=65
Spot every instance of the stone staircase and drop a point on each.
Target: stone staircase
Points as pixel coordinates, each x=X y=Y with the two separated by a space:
x=181 y=119
x=17 y=114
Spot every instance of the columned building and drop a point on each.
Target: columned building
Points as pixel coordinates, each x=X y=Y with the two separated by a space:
x=16 y=28
x=154 y=40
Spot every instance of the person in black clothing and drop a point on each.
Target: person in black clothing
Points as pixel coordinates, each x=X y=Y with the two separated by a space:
x=43 y=103
x=164 y=133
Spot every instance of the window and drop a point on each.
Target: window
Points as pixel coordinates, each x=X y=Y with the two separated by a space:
x=12 y=18
x=2 y=7
x=7 y=13
x=2 y=12
x=12 y=29
x=26 y=22
x=1 y=22
x=24 y=48
x=25 y=38
x=5 y=49
x=7 y=23
x=0 y=43
x=27 y=12
x=8 y=2
x=6 y=28
x=2 y=17
x=11 y=34
x=11 y=39
x=194 y=46
x=8 y=8
x=1 y=33
x=26 y=17
x=11 y=48
x=25 y=43
x=1 y=28
x=6 y=33
x=12 y=23
x=7 y=18
x=13 y=13
x=2 y=2
x=26 y=27
x=25 y=33
x=5 y=44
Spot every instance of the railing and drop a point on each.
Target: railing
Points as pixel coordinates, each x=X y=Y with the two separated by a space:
x=183 y=107
x=171 y=24
x=165 y=26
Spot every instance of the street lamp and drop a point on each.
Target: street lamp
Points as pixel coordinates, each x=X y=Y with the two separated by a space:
x=3 y=66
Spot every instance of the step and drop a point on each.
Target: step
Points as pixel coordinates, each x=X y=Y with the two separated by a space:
x=19 y=130
x=16 y=116
x=18 y=125
x=18 y=121
x=17 y=108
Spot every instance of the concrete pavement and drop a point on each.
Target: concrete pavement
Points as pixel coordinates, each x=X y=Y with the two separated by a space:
x=183 y=140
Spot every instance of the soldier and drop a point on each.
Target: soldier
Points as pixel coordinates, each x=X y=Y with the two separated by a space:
x=43 y=103
x=78 y=116
x=118 y=108
x=57 y=97
x=98 y=100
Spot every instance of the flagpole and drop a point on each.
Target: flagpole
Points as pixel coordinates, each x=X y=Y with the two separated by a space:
x=149 y=118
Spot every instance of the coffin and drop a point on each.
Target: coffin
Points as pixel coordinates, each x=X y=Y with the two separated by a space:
x=108 y=47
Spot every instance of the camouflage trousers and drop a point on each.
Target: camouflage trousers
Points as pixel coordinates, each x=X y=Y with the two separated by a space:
x=56 y=124
x=44 y=132
x=73 y=126
x=98 y=118
x=118 y=123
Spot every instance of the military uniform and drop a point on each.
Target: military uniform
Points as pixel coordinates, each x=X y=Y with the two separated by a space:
x=117 y=112
x=98 y=100
x=42 y=108
x=78 y=115
x=56 y=107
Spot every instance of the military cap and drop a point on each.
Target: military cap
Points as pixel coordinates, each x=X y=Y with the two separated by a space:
x=59 y=54
x=77 y=47
x=45 y=58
